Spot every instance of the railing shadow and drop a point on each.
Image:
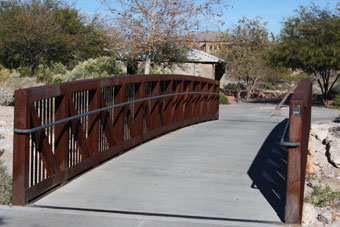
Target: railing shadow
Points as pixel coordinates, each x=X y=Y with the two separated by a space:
x=269 y=170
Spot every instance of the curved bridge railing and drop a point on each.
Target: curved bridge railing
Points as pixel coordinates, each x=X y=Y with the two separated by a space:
x=65 y=129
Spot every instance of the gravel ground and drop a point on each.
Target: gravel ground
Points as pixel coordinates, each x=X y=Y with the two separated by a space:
x=6 y=135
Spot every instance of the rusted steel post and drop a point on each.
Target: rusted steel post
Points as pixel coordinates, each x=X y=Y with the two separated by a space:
x=21 y=148
x=61 y=131
x=155 y=115
x=179 y=101
x=203 y=101
x=299 y=126
x=93 y=130
x=217 y=101
x=138 y=112
x=119 y=95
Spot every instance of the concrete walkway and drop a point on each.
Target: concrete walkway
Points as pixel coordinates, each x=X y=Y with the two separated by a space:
x=229 y=172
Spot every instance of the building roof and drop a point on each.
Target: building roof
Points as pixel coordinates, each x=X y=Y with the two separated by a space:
x=207 y=36
x=201 y=57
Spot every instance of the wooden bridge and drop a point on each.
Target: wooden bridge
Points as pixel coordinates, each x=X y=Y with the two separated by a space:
x=66 y=129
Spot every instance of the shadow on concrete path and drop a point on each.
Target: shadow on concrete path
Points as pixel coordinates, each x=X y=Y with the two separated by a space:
x=269 y=170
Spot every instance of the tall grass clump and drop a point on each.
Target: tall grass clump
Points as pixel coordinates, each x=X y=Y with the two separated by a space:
x=323 y=196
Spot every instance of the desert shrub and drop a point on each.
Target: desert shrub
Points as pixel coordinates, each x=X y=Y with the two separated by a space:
x=323 y=196
x=223 y=99
x=47 y=73
x=5 y=184
x=92 y=68
x=24 y=72
x=4 y=74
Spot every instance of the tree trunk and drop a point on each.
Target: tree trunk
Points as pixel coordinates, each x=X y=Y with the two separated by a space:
x=291 y=90
x=147 y=66
x=248 y=92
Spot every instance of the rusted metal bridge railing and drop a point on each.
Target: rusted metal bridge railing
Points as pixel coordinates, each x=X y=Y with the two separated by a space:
x=65 y=129
x=299 y=127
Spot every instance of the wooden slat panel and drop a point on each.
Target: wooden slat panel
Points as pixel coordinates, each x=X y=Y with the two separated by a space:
x=44 y=148
x=78 y=132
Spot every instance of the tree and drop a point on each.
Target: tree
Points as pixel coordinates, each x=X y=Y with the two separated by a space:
x=28 y=32
x=34 y=32
x=157 y=31
x=243 y=52
x=310 y=41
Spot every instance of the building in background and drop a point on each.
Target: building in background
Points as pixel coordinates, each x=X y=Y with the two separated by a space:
x=208 y=42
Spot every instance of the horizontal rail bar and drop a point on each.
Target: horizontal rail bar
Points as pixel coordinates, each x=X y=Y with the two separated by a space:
x=286 y=143
x=27 y=131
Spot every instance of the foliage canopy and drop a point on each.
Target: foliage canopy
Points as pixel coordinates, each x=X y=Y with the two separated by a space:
x=310 y=41
x=244 y=50
x=34 y=32
x=157 y=31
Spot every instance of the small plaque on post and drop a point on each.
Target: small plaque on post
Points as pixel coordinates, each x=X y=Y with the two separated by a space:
x=296 y=110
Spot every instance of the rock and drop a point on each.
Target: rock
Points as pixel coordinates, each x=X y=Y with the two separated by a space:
x=6 y=98
x=325 y=217
x=337 y=206
x=335 y=224
x=333 y=153
x=309 y=214
x=308 y=191
x=312 y=183
x=335 y=131
x=320 y=134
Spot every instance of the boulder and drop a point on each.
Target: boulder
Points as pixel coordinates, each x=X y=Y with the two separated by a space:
x=6 y=98
x=319 y=133
x=333 y=146
x=325 y=217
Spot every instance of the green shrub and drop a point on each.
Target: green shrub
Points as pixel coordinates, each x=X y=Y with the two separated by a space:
x=24 y=72
x=223 y=99
x=45 y=73
x=323 y=196
x=92 y=68
x=336 y=102
x=5 y=184
x=233 y=87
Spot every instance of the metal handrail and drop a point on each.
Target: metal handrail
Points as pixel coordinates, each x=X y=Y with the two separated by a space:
x=286 y=143
x=27 y=131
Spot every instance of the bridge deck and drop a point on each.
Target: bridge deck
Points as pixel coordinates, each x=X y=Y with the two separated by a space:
x=230 y=169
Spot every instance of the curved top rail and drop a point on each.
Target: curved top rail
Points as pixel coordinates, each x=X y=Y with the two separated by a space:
x=26 y=131
x=53 y=90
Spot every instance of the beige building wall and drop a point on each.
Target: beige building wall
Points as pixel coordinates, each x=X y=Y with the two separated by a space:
x=195 y=69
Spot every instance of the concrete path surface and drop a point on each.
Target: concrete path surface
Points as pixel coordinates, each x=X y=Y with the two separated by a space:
x=229 y=172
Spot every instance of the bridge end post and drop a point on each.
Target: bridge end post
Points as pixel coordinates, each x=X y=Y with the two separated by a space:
x=20 y=149
x=299 y=127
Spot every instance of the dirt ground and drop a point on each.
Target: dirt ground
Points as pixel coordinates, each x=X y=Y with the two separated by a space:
x=6 y=135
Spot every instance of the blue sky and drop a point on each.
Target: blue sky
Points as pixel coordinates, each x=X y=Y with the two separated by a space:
x=272 y=11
